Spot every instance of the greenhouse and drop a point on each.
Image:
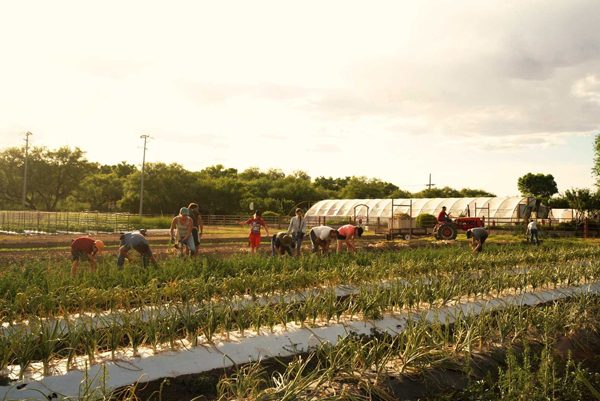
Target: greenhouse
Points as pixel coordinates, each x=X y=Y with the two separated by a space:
x=500 y=209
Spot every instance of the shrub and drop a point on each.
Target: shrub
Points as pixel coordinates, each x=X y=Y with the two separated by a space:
x=138 y=222
x=270 y=213
x=426 y=220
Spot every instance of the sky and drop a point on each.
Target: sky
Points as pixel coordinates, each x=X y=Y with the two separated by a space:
x=476 y=93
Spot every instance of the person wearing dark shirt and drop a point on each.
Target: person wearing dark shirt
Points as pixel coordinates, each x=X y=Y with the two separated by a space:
x=443 y=216
x=478 y=235
x=281 y=243
x=197 y=224
x=85 y=248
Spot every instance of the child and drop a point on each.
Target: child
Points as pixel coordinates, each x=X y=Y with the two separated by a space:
x=254 y=237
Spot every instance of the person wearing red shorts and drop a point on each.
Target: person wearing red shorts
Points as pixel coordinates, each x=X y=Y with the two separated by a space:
x=255 y=223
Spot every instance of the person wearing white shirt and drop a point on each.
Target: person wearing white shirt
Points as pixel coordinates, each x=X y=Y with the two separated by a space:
x=321 y=236
x=532 y=230
x=297 y=229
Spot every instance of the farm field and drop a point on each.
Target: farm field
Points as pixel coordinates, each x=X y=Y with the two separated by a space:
x=408 y=323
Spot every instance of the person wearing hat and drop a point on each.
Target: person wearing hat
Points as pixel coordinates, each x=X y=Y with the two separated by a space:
x=443 y=217
x=137 y=242
x=478 y=235
x=282 y=243
x=255 y=224
x=85 y=248
x=321 y=236
x=184 y=225
x=297 y=229
x=346 y=234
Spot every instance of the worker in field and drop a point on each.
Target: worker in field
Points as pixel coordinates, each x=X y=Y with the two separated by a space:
x=443 y=217
x=184 y=225
x=478 y=235
x=321 y=236
x=197 y=224
x=346 y=235
x=297 y=229
x=532 y=230
x=255 y=226
x=281 y=243
x=137 y=242
x=85 y=248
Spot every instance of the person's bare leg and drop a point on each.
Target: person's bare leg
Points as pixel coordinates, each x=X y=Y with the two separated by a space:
x=74 y=268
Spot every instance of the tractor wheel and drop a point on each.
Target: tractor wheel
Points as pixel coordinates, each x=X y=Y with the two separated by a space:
x=447 y=232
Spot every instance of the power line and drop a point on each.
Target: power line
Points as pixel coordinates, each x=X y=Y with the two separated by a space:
x=145 y=138
x=27 y=135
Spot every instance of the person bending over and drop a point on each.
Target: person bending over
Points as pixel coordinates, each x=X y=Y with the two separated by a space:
x=346 y=234
x=281 y=243
x=137 y=242
x=321 y=236
x=85 y=248
x=478 y=235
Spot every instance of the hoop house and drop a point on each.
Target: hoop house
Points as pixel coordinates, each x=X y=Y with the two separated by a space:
x=502 y=209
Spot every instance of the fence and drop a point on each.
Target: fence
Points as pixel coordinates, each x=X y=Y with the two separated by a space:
x=93 y=222
x=57 y=222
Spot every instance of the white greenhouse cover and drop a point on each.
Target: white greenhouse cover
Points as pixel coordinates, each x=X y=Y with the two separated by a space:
x=564 y=214
x=499 y=207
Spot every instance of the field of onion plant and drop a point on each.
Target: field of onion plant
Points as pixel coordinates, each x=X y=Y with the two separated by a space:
x=53 y=324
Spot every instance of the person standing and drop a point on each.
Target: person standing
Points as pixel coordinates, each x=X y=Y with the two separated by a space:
x=281 y=243
x=297 y=229
x=137 y=242
x=532 y=230
x=85 y=248
x=346 y=234
x=184 y=225
x=197 y=224
x=478 y=235
x=255 y=224
x=321 y=236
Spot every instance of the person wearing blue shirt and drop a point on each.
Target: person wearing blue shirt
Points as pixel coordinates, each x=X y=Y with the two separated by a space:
x=137 y=242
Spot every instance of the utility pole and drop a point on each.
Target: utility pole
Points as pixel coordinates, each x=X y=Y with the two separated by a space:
x=27 y=134
x=145 y=137
x=430 y=184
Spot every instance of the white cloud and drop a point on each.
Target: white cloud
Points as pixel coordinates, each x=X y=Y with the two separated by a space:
x=244 y=83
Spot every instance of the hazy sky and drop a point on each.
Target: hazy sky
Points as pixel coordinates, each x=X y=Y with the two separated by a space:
x=477 y=93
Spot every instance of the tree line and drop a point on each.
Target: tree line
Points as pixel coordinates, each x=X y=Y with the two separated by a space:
x=64 y=180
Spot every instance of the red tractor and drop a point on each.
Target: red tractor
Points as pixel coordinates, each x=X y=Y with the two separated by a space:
x=449 y=229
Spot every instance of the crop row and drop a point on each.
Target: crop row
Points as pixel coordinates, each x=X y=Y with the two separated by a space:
x=439 y=340
x=360 y=367
x=45 y=289
x=45 y=340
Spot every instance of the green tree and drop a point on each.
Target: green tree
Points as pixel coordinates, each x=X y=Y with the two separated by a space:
x=11 y=178
x=583 y=200
x=167 y=188
x=538 y=185
x=596 y=167
x=219 y=171
x=52 y=176
x=559 y=202
x=98 y=190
